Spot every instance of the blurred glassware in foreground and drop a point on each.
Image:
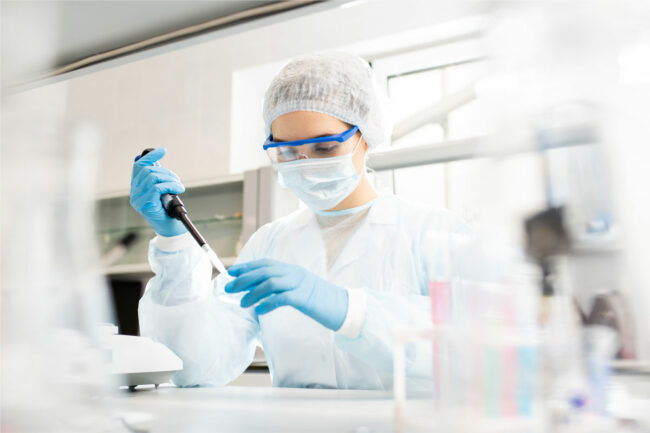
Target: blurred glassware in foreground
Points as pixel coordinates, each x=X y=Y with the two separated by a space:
x=485 y=353
x=53 y=296
x=558 y=92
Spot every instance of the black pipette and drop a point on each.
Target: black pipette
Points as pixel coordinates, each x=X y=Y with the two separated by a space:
x=175 y=208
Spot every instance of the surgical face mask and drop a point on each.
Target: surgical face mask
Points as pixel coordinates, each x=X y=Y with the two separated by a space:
x=320 y=183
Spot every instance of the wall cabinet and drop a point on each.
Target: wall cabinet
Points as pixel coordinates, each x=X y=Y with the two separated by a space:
x=226 y=212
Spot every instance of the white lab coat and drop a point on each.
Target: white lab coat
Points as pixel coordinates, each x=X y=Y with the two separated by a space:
x=397 y=250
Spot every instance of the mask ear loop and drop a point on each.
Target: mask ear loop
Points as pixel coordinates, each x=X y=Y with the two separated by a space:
x=364 y=169
x=354 y=149
x=370 y=172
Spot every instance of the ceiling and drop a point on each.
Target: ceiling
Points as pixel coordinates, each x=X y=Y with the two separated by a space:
x=40 y=36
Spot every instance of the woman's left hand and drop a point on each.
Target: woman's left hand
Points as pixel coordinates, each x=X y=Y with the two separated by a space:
x=272 y=284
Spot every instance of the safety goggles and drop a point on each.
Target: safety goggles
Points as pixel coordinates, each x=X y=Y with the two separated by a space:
x=310 y=148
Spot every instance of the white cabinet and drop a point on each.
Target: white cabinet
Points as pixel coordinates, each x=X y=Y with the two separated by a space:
x=226 y=212
x=215 y=209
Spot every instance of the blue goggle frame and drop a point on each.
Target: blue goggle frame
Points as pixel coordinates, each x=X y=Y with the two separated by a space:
x=343 y=136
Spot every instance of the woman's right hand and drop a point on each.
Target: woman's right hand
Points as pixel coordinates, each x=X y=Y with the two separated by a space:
x=148 y=182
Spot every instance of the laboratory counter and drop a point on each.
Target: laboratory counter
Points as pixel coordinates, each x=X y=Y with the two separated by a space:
x=264 y=409
x=254 y=409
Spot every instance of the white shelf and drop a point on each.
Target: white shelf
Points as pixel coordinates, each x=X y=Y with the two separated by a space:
x=223 y=180
x=145 y=269
x=135 y=268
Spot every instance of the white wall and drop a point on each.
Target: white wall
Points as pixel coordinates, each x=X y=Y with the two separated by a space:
x=177 y=100
x=247 y=125
x=47 y=103
x=183 y=99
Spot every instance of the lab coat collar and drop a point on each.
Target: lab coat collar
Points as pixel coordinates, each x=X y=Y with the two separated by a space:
x=384 y=210
x=364 y=241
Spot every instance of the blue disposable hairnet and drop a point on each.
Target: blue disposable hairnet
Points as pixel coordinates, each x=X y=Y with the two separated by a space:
x=338 y=84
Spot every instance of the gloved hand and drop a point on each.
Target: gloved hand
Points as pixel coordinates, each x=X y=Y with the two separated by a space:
x=274 y=284
x=148 y=182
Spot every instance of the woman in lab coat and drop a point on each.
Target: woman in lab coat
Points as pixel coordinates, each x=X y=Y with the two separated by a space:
x=321 y=289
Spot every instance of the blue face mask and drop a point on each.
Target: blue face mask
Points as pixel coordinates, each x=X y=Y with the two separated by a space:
x=320 y=183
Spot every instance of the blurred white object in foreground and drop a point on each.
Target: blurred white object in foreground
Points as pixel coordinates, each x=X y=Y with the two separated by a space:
x=139 y=360
x=52 y=293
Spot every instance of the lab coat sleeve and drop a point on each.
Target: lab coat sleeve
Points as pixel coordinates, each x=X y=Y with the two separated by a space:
x=188 y=312
x=380 y=313
x=384 y=312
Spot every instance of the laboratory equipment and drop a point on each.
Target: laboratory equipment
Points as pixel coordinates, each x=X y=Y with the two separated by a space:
x=566 y=105
x=138 y=360
x=175 y=208
x=148 y=182
x=53 y=295
x=484 y=340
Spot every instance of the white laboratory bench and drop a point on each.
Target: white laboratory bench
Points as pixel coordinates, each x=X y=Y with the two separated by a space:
x=254 y=409
x=264 y=409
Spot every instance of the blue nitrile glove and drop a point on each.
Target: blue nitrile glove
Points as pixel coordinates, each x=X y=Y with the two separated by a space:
x=274 y=284
x=148 y=182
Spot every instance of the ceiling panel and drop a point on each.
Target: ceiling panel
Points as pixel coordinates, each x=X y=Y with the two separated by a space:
x=39 y=36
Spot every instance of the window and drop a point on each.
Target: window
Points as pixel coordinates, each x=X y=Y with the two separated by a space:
x=507 y=189
x=447 y=94
x=434 y=105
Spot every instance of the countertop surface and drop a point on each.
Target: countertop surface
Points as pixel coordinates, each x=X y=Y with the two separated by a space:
x=264 y=409
x=255 y=409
